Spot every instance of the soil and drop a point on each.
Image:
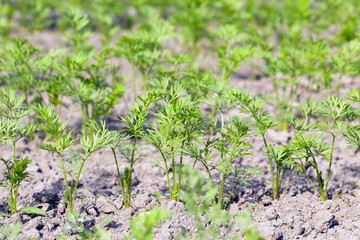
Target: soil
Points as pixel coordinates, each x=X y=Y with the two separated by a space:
x=300 y=214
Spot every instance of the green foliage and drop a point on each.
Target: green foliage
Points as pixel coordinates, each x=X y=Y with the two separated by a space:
x=100 y=137
x=12 y=232
x=79 y=32
x=294 y=62
x=92 y=92
x=20 y=67
x=142 y=225
x=262 y=122
x=303 y=46
x=345 y=61
x=230 y=144
x=134 y=126
x=142 y=49
x=198 y=196
x=179 y=122
x=6 y=14
x=231 y=56
x=62 y=140
x=75 y=225
x=38 y=18
x=309 y=145
x=352 y=131
x=12 y=129
x=193 y=18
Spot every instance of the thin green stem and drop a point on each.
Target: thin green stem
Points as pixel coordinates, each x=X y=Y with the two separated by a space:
x=318 y=174
x=224 y=70
x=277 y=99
x=118 y=172
x=64 y=170
x=271 y=168
x=231 y=193
x=13 y=211
x=15 y=198
x=286 y=105
x=331 y=157
x=277 y=178
x=77 y=181
x=308 y=177
x=225 y=175
x=180 y=167
x=174 y=171
x=167 y=173
x=280 y=179
x=131 y=169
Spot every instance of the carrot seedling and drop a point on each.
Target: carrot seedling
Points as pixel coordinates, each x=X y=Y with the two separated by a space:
x=12 y=129
x=99 y=138
x=308 y=147
x=135 y=127
x=279 y=158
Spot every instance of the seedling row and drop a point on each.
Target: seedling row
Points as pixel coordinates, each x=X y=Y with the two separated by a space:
x=179 y=105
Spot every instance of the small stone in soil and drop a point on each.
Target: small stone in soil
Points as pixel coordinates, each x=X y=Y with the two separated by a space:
x=91 y=211
x=270 y=214
x=322 y=221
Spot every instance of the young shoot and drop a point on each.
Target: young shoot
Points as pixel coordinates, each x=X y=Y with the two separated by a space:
x=279 y=158
x=99 y=138
x=178 y=123
x=230 y=56
x=309 y=146
x=135 y=128
x=12 y=111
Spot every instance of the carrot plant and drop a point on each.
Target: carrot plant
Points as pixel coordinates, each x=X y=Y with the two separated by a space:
x=142 y=225
x=344 y=62
x=75 y=225
x=34 y=15
x=78 y=33
x=176 y=124
x=178 y=68
x=88 y=85
x=217 y=100
x=189 y=123
x=352 y=133
x=142 y=49
x=279 y=157
x=134 y=126
x=231 y=56
x=165 y=135
x=6 y=15
x=309 y=147
x=99 y=138
x=296 y=63
x=55 y=81
x=20 y=65
x=231 y=144
x=192 y=18
x=12 y=129
x=313 y=58
x=286 y=88
x=197 y=197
